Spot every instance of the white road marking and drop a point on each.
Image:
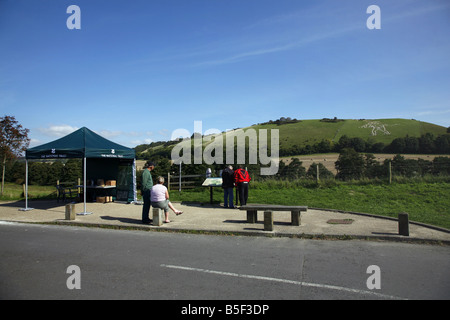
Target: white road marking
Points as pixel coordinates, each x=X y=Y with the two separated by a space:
x=8 y=222
x=299 y=283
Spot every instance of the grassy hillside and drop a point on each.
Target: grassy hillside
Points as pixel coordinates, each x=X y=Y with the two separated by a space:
x=379 y=130
x=309 y=132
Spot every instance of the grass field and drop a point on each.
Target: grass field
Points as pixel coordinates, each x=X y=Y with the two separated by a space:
x=14 y=191
x=425 y=202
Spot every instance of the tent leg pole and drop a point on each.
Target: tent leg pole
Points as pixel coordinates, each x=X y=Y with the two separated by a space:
x=84 y=189
x=26 y=185
x=26 y=188
x=84 y=184
x=134 y=181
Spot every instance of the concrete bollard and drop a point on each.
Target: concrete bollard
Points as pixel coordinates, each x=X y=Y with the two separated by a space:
x=158 y=217
x=70 y=211
x=268 y=221
x=403 y=224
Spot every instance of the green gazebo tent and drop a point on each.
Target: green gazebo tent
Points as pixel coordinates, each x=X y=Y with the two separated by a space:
x=102 y=154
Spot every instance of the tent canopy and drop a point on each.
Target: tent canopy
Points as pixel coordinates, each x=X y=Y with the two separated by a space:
x=82 y=143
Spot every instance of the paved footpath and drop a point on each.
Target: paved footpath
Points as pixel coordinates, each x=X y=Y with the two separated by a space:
x=315 y=223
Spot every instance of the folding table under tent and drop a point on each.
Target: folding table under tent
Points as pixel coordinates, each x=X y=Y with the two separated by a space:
x=86 y=144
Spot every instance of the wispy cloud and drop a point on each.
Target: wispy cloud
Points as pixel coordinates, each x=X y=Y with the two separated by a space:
x=274 y=48
x=110 y=134
x=325 y=28
x=416 y=10
x=143 y=141
x=433 y=112
x=241 y=56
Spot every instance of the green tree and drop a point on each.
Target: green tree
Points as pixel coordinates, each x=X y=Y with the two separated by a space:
x=294 y=170
x=15 y=172
x=13 y=141
x=442 y=144
x=55 y=172
x=369 y=165
x=426 y=143
x=324 y=173
x=350 y=165
x=73 y=169
x=38 y=173
x=441 y=166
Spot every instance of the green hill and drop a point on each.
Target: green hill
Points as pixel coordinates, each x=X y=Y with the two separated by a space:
x=310 y=132
x=296 y=135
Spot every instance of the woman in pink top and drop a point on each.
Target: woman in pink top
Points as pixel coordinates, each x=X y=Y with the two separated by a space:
x=160 y=199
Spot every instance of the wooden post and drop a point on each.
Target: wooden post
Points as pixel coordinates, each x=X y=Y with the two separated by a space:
x=168 y=181
x=57 y=190
x=403 y=224
x=317 y=173
x=390 y=172
x=211 y=195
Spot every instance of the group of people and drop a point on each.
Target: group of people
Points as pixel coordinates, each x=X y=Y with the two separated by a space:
x=158 y=196
x=155 y=195
x=239 y=179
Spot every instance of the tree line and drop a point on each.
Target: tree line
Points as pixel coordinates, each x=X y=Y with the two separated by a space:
x=354 y=165
x=351 y=165
x=45 y=173
x=425 y=144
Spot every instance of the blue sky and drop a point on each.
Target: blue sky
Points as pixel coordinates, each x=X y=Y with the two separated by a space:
x=137 y=70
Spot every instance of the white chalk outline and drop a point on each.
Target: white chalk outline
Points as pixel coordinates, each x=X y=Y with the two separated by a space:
x=298 y=283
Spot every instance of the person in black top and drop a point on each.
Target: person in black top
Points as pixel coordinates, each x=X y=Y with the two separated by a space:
x=228 y=185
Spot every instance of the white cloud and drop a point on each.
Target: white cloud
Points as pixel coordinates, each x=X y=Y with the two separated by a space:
x=57 y=131
x=164 y=132
x=108 y=134
x=34 y=142
x=138 y=142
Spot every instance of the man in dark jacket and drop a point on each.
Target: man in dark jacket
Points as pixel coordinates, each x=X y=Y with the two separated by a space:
x=227 y=185
x=147 y=184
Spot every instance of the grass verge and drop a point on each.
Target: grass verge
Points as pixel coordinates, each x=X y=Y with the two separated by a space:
x=425 y=202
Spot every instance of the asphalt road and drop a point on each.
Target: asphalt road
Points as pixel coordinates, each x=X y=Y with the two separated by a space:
x=35 y=263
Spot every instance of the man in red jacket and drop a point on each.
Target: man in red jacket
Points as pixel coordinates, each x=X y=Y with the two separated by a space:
x=242 y=178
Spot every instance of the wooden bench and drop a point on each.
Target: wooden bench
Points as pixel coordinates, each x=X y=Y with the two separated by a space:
x=252 y=213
